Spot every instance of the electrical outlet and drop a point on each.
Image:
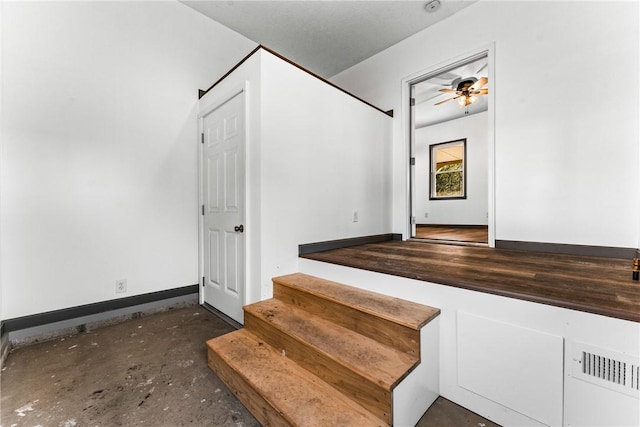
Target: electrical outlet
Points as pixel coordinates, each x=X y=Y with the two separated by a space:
x=121 y=286
x=426 y=214
x=355 y=216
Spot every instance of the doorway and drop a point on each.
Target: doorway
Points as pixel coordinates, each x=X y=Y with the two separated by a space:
x=223 y=211
x=451 y=153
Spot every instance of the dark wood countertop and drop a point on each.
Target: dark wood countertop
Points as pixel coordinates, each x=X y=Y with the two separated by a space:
x=590 y=284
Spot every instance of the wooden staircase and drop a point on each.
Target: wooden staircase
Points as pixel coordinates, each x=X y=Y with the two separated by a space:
x=320 y=353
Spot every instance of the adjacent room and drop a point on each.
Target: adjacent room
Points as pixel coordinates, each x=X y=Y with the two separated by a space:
x=320 y=213
x=449 y=154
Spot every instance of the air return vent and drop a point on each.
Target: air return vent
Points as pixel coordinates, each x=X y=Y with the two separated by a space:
x=606 y=368
x=635 y=377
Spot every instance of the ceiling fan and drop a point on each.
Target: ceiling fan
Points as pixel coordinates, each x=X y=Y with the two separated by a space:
x=465 y=90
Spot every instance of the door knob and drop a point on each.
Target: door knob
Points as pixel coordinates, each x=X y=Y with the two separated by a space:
x=239 y=228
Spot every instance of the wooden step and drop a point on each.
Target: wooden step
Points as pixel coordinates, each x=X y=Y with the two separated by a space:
x=323 y=353
x=360 y=367
x=391 y=321
x=276 y=390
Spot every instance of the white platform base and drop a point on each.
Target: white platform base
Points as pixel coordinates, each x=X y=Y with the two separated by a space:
x=417 y=392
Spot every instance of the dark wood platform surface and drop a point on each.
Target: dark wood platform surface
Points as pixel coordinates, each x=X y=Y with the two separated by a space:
x=591 y=284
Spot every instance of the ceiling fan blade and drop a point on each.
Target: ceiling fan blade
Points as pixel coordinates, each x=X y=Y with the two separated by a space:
x=481 y=82
x=448 y=90
x=479 y=92
x=435 y=95
x=482 y=68
x=448 y=76
x=426 y=97
x=447 y=100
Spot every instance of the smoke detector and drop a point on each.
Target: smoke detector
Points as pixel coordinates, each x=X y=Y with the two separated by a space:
x=432 y=6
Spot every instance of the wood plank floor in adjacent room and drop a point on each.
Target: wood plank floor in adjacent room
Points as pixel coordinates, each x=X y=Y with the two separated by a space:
x=454 y=233
x=148 y=371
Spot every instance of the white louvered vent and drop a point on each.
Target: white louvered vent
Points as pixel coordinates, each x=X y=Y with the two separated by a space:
x=606 y=368
x=635 y=377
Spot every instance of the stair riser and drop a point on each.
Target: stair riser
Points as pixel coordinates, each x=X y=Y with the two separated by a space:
x=250 y=398
x=379 y=329
x=368 y=394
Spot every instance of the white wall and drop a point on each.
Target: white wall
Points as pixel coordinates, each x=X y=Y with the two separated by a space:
x=1 y=166
x=473 y=209
x=324 y=156
x=566 y=100
x=99 y=103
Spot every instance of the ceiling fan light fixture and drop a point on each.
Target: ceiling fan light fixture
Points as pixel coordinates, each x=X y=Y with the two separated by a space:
x=466 y=100
x=465 y=90
x=463 y=84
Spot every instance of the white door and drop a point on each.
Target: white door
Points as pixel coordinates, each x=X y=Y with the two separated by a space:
x=223 y=210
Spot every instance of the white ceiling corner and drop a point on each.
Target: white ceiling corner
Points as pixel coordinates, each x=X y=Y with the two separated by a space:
x=326 y=37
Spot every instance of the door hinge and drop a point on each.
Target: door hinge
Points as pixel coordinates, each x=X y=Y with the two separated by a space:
x=202 y=210
x=413 y=220
x=202 y=137
x=412 y=102
x=203 y=281
x=412 y=161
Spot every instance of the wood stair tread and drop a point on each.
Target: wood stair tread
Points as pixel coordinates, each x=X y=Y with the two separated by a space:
x=378 y=363
x=402 y=312
x=297 y=395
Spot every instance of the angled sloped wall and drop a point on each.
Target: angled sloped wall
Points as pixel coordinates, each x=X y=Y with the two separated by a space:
x=325 y=155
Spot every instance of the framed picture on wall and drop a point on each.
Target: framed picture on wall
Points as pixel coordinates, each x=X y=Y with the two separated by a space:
x=448 y=170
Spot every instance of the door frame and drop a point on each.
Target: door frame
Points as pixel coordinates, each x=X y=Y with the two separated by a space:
x=205 y=109
x=408 y=137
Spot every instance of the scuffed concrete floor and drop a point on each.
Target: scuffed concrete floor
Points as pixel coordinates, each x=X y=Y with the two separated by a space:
x=444 y=413
x=148 y=371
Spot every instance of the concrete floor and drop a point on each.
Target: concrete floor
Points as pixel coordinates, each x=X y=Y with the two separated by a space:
x=147 y=371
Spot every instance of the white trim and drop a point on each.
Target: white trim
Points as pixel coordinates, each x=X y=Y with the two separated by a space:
x=248 y=225
x=491 y=146
x=405 y=118
x=211 y=106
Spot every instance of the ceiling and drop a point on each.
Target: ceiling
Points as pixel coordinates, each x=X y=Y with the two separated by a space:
x=326 y=37
x=449 y=153
x=427 y=93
